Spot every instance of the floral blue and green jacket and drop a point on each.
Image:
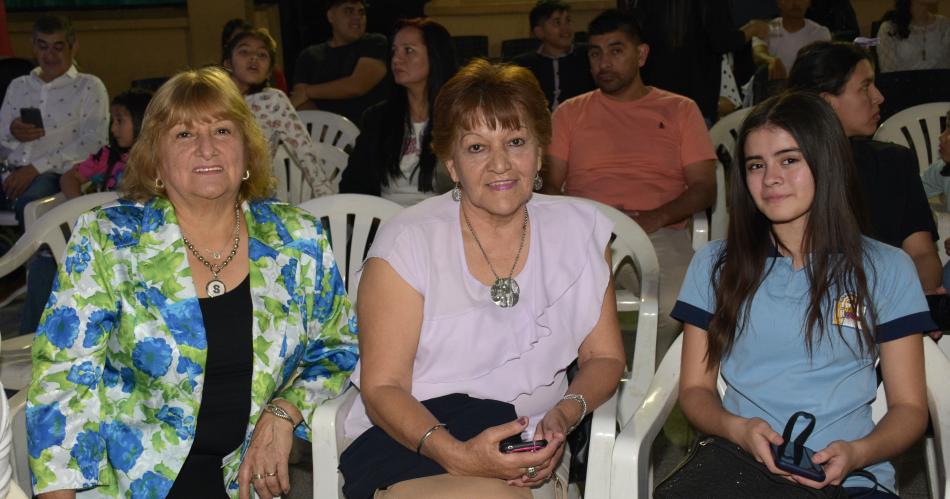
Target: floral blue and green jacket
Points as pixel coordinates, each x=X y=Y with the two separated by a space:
x=119 y=356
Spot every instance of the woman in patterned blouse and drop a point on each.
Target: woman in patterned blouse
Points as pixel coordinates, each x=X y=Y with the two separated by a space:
x=194 y=325
x=249 y=58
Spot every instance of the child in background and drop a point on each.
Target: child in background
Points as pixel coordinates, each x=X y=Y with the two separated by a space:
x=104 y=168
x=936 y=181
x=103 y=171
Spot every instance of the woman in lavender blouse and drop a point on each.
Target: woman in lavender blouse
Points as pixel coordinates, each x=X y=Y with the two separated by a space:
x=489 y=291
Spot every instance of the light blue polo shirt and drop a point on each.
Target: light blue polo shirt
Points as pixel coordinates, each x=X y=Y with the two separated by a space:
x=769 y=373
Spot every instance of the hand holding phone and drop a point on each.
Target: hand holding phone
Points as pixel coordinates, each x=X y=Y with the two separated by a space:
x=792 y=456
x=31 y=116
x=797 y=460
x=514 y=444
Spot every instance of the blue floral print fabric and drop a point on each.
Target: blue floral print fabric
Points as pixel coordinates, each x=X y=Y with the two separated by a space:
x=119 y=356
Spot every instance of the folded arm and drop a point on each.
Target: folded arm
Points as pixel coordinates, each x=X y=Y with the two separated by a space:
x=365 y=76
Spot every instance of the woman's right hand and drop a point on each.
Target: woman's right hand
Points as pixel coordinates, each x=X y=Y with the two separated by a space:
x=754 y=435
x=480 y=456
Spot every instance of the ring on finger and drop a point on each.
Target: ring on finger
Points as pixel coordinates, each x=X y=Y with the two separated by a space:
x=257 y=476
x=271 y=474
x=531 y=472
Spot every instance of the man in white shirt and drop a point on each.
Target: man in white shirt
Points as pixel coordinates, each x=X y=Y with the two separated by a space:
x=787 y=34
x=73 y=112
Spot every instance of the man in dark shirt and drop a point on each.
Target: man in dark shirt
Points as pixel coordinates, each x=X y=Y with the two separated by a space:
x=343 y=75
x=560 y=66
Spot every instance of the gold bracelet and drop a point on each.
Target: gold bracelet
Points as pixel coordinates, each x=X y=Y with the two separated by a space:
x=426 y=436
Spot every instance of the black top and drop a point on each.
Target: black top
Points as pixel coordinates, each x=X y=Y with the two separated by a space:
x=364 y=171
x=560 y=77
x=322 y=63
x=226 y=396
x=893 y=195
x=694 y=68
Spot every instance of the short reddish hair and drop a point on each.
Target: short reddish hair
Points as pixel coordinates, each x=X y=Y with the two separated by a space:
x=502 y=95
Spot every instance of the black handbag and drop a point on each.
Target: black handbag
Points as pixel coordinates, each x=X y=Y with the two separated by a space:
x=717 y=468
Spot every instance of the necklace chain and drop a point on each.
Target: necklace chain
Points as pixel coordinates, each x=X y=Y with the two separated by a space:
x=524 y=232
x=216 y=269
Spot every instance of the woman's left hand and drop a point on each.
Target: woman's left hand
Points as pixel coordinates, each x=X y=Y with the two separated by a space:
x=265 y=463
x=837 y=460
x=552 y=428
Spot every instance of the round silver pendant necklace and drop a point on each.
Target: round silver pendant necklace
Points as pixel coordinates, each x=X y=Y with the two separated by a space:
x=504 y=291
x=215 y=286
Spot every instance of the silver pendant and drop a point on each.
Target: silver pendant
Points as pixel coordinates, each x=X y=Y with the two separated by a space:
x=505 y=292
x=215 y=288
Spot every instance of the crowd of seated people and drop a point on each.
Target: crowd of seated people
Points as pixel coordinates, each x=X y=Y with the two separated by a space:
x=458 y=355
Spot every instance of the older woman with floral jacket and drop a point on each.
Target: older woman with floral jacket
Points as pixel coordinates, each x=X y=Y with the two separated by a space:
x=155 y=369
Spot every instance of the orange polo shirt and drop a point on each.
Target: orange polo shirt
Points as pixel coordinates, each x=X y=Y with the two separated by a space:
x=629 y=155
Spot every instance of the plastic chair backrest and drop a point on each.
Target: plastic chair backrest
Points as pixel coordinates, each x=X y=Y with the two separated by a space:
x=724 y=134
x=351 y=222
x=54 y=227
x=291 y=187
x=631 y=245
x=330 y=128
x=918 y=128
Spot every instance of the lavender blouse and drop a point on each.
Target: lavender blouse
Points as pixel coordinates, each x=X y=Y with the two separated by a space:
x=470 y=345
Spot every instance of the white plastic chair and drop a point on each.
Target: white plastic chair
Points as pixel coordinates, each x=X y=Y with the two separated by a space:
x=724 y=135
x=918 y=128
x=714 y=226
x=351 y=222
x=19 y=455
x=291 y=187
x=631 y=244
x=32 y=211
x=330 y=128
x=632 y=476
x=47 y=229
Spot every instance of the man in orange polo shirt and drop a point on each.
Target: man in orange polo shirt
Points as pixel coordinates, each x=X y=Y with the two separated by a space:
x=640 y=149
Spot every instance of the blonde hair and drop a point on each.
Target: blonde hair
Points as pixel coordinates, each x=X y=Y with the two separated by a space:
x=195 y=96
x=501 y=95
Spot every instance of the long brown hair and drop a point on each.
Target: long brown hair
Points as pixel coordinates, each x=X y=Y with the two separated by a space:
x=832 y=245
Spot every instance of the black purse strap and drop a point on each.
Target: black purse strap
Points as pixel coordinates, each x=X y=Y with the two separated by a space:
x=801 y=438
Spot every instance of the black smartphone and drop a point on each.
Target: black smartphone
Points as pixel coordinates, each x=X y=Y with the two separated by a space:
x=802 y=466
x=515 y=444
x=32 y=116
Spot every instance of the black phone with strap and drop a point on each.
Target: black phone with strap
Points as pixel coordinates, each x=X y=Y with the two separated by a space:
x=792 y=456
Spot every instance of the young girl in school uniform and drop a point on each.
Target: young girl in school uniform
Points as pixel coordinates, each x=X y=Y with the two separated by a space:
x=796 y=305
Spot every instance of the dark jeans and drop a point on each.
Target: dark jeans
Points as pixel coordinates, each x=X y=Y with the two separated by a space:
x=45 y=184
x=41 y=269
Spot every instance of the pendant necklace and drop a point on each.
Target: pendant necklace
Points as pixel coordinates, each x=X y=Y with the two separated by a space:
x=504 y=291
x=215 y=286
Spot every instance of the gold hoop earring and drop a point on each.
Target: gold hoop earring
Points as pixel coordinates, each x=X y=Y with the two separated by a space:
x=247 y=175
x=159 y=184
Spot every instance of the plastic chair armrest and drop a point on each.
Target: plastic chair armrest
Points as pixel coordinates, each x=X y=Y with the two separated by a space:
x=937 y=368
x=327 y=434
x=631 y=457
x=700 y=230
x=602 y=435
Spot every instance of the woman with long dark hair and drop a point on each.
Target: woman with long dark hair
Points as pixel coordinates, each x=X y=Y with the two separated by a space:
x=393 y=157
x=912 y=37
x=897 y=209
x=795 y=306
